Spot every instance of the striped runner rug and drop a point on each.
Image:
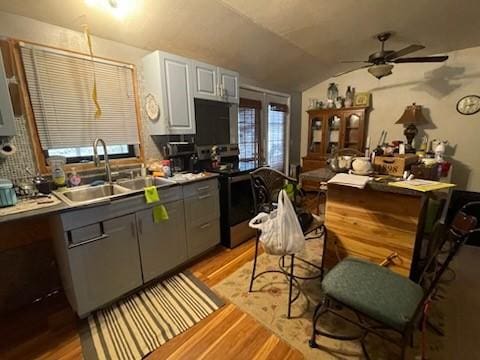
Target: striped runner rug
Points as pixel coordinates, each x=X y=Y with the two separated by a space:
x=135 y=326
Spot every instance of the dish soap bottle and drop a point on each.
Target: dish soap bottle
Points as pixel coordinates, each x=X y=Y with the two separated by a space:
x=58 y=174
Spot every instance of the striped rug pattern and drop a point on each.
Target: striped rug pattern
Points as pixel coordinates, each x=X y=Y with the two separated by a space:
x=135 y=326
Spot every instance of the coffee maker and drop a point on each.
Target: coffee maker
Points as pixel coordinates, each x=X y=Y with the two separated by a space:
x=179 y=154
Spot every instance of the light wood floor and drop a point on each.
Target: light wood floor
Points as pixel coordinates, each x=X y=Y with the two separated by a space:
x=48 y=330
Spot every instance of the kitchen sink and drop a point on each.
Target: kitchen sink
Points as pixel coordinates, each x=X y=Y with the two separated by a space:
x=86 y=194
x=89 y=194
x=140 y=183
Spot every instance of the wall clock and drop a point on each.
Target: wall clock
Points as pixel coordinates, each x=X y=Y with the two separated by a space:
x=469 y=105
x=152 y=108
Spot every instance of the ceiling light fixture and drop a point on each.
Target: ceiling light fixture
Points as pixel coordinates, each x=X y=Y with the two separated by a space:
x=380 y=70
x=120 y=9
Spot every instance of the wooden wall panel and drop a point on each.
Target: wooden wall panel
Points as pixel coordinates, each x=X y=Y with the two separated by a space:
x=371 y=224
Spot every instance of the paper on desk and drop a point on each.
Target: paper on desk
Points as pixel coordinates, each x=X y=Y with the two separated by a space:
x=356 y=181
x=421 y=185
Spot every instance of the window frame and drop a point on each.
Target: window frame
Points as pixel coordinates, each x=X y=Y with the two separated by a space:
x=283 y=109
x=38 y=152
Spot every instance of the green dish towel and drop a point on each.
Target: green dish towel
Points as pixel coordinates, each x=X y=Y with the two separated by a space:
x=151 y=194
x=159 y=212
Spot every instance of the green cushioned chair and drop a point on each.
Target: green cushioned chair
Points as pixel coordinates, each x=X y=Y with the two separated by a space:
x=376 y=293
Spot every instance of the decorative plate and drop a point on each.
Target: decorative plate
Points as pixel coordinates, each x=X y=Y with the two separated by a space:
x=152 y=108
x=469 y=105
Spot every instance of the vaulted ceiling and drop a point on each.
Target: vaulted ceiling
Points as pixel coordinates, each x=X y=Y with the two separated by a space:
x=286 y=45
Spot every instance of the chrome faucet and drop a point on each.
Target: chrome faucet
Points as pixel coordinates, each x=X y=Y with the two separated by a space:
x=96 y=158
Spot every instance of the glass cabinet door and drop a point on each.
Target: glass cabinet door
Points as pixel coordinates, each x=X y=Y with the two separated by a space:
x=352 y=131
x=316 y=131
x=333 y=134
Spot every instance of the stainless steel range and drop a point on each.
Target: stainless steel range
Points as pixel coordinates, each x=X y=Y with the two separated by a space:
x=236 y=199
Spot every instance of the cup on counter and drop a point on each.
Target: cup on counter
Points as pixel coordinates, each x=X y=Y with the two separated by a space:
x=7 y=193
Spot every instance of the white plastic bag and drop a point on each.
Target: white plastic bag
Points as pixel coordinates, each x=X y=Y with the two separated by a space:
x=281 y=233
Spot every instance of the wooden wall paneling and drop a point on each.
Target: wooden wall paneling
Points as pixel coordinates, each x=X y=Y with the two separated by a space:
x=372 y=224
x=7 y=58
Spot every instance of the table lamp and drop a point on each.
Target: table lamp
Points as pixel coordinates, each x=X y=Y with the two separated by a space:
x=412 y=116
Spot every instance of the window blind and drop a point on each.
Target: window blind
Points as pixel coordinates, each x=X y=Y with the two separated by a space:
x=60 y=87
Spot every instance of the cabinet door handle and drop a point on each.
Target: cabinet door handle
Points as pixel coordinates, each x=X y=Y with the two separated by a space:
x=201 y=197
x=101 y=237
x=204 y=226
x=140 y=226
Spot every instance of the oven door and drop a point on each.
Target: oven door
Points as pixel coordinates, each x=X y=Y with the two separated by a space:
x=241 y=199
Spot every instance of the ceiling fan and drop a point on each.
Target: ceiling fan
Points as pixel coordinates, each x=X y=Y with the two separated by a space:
x=379 y=64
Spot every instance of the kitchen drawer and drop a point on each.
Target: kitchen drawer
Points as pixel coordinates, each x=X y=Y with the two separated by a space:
x=202 y=208
x=200 y=188
x=202 y=237
x=85 y=233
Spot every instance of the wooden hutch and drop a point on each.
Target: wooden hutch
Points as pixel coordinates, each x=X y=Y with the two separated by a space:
x=332 y=129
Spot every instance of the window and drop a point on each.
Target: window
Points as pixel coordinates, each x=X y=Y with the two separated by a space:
x=248 y=130
x=277 y=122
x=60 y=85
x=85 y=154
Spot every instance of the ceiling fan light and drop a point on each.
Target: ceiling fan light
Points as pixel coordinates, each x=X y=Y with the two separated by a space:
x=380 y=70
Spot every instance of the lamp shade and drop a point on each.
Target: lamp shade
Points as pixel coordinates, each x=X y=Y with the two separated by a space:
x=412 y=115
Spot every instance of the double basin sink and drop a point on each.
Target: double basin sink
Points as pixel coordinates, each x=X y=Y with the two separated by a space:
x=90 y=194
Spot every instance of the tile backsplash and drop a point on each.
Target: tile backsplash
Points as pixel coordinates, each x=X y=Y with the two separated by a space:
x=14 y=167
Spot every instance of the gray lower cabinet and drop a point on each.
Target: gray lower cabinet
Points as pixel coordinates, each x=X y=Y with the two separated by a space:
x=163 y=245
x=108 y=250
x=202 y=216
x=105 y=264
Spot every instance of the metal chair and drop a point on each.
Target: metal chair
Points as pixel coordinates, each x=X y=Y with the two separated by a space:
x=266 y=185
x=376 y=293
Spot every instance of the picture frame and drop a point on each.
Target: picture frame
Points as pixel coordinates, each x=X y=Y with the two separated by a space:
x=362 y=99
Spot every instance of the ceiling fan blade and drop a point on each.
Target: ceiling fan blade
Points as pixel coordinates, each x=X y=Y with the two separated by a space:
x=424 y=59
x=358 y=68
x=354 y=61
x=405 y=51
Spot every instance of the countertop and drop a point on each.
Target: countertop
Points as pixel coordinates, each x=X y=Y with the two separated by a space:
x=63 y=207
x=325 y=174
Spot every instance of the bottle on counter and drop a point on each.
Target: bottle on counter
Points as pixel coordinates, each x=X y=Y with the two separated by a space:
x=167 y=170
x=58 y=173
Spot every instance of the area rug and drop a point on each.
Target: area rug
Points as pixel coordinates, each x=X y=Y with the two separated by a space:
x=135 y=326
x=268 y=304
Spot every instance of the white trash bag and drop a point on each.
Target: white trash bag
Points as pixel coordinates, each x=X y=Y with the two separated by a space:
x=281 y=233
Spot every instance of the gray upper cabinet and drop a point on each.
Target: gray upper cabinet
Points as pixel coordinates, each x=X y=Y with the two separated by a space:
x=7 y=119
x=229 y=87
x=169 y=78
x=206 y=81
x=215 y=83
x=104 y=262
x=162 y=245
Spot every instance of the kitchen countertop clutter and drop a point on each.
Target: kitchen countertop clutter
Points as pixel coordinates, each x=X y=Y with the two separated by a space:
x=90 y=196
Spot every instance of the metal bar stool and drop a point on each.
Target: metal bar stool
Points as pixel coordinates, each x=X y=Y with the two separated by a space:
x=266 y=185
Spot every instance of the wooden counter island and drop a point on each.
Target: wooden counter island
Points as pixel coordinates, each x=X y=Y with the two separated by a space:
x=374 y=222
